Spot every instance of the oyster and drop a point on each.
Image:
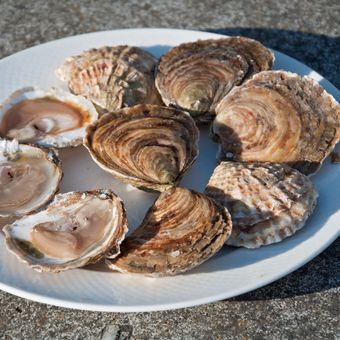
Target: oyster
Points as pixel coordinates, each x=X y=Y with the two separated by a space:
x=267 y=202
x=180 y=231
x=278 y=116
x=112 y=77
x=51 y=118
x=195 y=76
x=76 y=229
x=29 y=177
x=147 y=146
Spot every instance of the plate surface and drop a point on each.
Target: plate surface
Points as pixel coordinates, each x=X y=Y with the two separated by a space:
x=231 y=272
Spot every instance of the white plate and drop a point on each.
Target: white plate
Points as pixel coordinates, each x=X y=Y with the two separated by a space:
x=229 y=273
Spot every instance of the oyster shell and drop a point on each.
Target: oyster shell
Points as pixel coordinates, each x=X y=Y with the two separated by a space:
x=29 y=177
x=51 y=118
x=147 y=146
x=76 y=229
x=195 y=76
x=278 y=116
x=267 y=202
x=180 y=231
x=112 y=77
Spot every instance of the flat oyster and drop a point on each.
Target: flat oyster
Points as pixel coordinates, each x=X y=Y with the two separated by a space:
x=148 y=146
x=180 y=231
x=112 y=77
x=278 y=116
x=53 y=118
x=29 y=177
x=76 y=229
x=267 y=202
x=195 y=76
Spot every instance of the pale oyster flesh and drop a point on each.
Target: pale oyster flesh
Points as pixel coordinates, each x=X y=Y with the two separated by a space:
x=76 y=229
x=148 y=146
x=195 y=76
x=47 y=118
x=112 y=77
x=267 y=202
x=29 y=177
x=180 y=231
x=278 y=116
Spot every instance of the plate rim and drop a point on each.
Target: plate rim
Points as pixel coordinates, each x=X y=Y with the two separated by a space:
x=44 y=298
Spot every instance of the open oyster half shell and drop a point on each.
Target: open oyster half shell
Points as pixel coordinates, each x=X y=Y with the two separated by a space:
x=29 y=177
x=76 y=229
x=278 y=116
x=267 y=202
x=195 y=76
x=148 y=146
x=52 y=118
x=180 y=231
x=112 y=77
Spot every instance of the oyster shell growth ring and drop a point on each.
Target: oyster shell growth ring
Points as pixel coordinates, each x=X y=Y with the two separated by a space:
x=180 y=231
x=76 y=229
x=147 y=146
x=195 y=76
x=267 y=202
x=278 y=116
x=112 y=77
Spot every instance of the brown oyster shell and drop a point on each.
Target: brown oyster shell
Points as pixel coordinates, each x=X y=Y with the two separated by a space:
x=278 y=116
x=180 y=231
x=195 y=76
x=112 y=77
x=147 y=146
x=21 y=243
x=29 y=177
x=267 y=202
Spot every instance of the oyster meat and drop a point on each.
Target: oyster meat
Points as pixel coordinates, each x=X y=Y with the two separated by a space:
x=51 y=118
x=76 y=229
x=29 y=177
x=180 y=231
x=267 y=202
x=278 y=116
x=112 y=77
x=195 y=76
x=148 y=146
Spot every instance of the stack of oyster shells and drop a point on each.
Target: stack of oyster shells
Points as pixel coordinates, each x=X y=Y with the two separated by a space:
x=139 y=118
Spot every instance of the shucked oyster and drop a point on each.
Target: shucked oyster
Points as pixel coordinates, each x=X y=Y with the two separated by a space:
x=278 y=116
x=147 y=146
x=112 y=77
x=29 y=177
x=195 y=76
x=47 y=118
x=180 y=231
x=267 y=202
x=76 y=229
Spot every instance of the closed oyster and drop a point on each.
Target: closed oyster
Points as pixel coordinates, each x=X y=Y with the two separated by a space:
x=51 y=118
x=112 y=77
x=180 y=231
x=280 y=117
x=76 y=229
x=195 y=76
x=29 y=177
x=267 y=202
x=147 y=146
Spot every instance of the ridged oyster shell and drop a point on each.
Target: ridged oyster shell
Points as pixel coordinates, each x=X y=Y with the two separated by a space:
x=180 y=231
x=278 y=116
x=194 y=76
x=76 y=229
x=29 y=177
x=112 y=77
x=148 y=146
x=52 y=118
x=267 y=202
